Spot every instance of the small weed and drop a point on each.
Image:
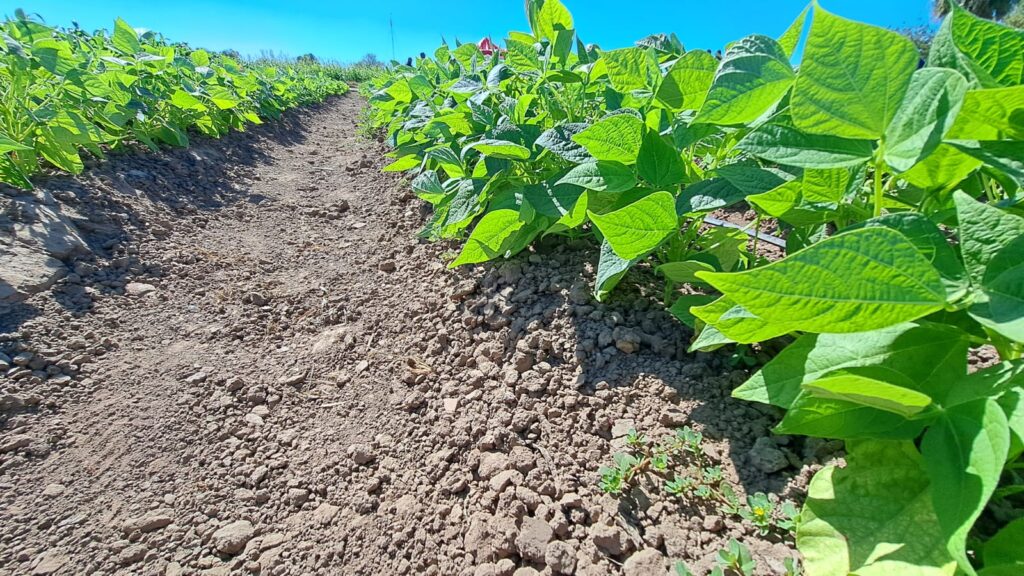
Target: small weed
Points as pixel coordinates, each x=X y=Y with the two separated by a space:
x=736 y=557
x=688 y=473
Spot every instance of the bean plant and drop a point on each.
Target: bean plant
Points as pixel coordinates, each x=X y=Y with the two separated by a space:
x=65 y=91
x=895 y=182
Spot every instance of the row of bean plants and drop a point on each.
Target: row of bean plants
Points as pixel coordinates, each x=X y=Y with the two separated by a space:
x=895 y=180
x=66 y=91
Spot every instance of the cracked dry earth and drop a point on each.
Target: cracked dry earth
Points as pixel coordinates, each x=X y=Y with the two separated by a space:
x=257 y=368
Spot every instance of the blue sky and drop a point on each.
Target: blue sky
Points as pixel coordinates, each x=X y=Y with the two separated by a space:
x=346 y=30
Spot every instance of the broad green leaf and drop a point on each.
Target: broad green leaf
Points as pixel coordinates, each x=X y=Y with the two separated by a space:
x=631 y=69
x=575 y=217
x=791 y=37
x=874 y=517
x=811 y=415
x=708 y=340
x=54 y=56
x=501 y=149
x=686 y=84
x=659 y=162
x=1002 y=309
x=707 y=196
x=786 y=203
x=522 y=56
x=402 y=164
x=989 y=382
x=931 y=244
x=753 y=77
x=964 y=452
x=853 y=282
x=737 y=323
x=987 y=53
x=933 y=101
x=485 y=243
x=943 y=169
x=125 y=38
x=1004 y=156
x=553 y=17
x=859 y=387
x=559 y=141
x=601 y=176
x=610 y=270
x=463 y=206
x=640 y=227
x=681 y=307
x=852 y=78
x=57 y=145
x=187 y=101
x=613 y=139
x=428 y=187
x=790 y=146
x=554 y=200
x=991 y=114
x=1004 y=548
x=8 y=145
x=683 y=272
x=932 y=355
x=751 y=178
x=10 y=173
x=984 y=231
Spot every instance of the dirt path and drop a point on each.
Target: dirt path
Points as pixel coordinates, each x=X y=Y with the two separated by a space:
x=275 y=376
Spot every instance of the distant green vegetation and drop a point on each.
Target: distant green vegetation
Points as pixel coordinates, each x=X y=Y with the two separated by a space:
x=66 y=91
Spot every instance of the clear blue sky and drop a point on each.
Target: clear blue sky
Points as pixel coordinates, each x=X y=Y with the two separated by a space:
x=346 y=30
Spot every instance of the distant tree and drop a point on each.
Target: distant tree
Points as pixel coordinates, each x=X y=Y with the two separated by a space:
x=309 y=57
x=1016 y=17
x=991 y=9
x=921 y=36
x=370 y=60
x=233 y=54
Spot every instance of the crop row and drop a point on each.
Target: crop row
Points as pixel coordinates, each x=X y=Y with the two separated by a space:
x=895 y=179
x=67 y=91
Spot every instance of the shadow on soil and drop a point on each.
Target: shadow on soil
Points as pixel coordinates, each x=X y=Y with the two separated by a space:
x=633 y=313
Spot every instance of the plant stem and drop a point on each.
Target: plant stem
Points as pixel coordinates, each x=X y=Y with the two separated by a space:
x=879 y=196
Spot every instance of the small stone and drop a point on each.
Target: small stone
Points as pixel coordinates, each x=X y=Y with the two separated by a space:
x=491 y=463
x=451 y=405
x=533 y=538
x=387 y=266
x=53 y=490
x=713 y=524
x=49 y=562
x=766 y=457
x=292 y=379
x=607 y=539
x=298 y=496
x=506 y=478
x=148 y=523
x=560 y=557
x=647 y=562
x=197 y=378
x=622 y=427
x=673 y=417
x=22 y=359
x=361 y=454
x=132 y=554
x=254 y=419
x=232 y=538
x=139 y=289
x=15 y=442
x=325 y=513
